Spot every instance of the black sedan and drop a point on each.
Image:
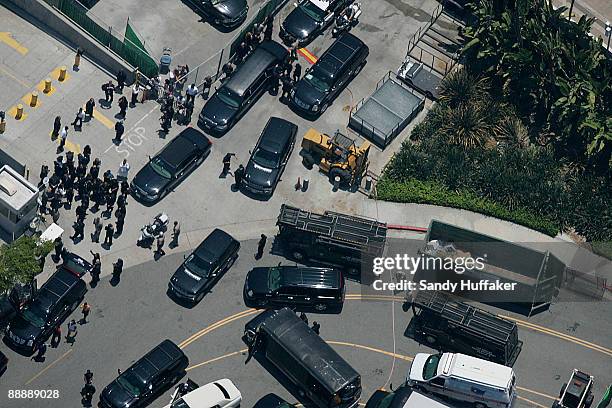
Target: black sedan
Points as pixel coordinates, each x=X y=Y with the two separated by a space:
x=223 y=13
x=173 y=163
x=309 y=19
x=204 y=267
x=268 y=159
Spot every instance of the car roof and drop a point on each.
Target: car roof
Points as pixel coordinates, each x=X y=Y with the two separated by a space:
x=338 y=53
x=176 y=151
x=276 y=134
x=57 y=286
x=157 y=359
x=214 y=244
x=195 y=136
x=309 y=276
x=266 y=54
x=212 y=394
x=476 y=370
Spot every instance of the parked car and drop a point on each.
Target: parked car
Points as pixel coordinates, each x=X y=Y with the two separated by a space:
x=309 y=19
x=171 y=165
x=322 y=83
x=299 y=287
x=204 y=266
x=224 y=13
x=147 y=378
x=269 y=157
x=403 y=397
x=3 y=363
x=242 y=89
x=54 y=302
x=218 y=394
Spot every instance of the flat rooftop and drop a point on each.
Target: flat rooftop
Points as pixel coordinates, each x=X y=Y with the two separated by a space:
x=15 y=190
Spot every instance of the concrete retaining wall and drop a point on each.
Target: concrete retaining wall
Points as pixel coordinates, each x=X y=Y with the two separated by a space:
x=54 y=22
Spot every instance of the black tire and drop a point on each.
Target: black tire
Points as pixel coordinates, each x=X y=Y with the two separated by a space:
x=308 y=160
x=563 y=387
x=345 y=176
x=588 y=401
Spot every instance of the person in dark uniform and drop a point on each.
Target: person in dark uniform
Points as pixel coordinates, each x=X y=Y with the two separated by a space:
x=297 y=72
x=287 y=88
x=109 y=230
x=316 y=327
x=57 y=125
x=58 y=245
x=79 y=230
x=269 y=28
x=227 y=162
x=117 y=269
x=260 y=246
x=119 y=129
x=239 y=175
x=89 y=107
x=120 y=80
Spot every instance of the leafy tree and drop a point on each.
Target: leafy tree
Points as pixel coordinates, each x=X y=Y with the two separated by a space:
x=20 y=261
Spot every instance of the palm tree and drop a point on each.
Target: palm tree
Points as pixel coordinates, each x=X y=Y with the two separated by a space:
x=468 y=125
x=461 y=87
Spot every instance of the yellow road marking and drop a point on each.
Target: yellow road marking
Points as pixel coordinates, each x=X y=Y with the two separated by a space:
x=560 y=335
x=9 y=74
x=375 y=350
x=48 y=367
x=536 y=393
x=12 y=112
x=6 y=38
x=217 y=359
x=217 y=325
x=103 y=119
x=308 y=55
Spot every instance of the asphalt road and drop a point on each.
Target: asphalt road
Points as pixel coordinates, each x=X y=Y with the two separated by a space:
x=129 y=319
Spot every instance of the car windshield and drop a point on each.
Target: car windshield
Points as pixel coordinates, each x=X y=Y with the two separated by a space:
x=274 y=279
x=266 y=158
x=229 y=98
x=161 y=167
x=76 y=265
x=33 y=315
x=313 y=11
x=317 y=80
x=431 y=367
x=385 y=402
x=131 y=383
x=198 y=265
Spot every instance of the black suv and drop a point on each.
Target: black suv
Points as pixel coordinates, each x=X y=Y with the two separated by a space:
x=147 y=378
x=309 y=19
x=55 y=301
x=242 y=89
x=268 y=159
x=299 y=287
x=329 y=75
x=223 y=13
x=204 y=267
x=173 y=163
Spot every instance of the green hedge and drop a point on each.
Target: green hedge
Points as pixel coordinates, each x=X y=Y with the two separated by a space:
x=430 y=192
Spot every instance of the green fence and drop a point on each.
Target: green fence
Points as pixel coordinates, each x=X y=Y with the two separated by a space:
x=130 y=48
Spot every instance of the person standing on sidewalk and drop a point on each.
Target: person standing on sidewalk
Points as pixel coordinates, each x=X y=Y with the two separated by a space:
x=89 y=107
x=95 y=237
x=191 y=92
x=206 y=86
x=109 y=91
x=85 y=309
x=176 y=231
x=297 y=72
x=135 y=93
x=239 y=176
x=57 y=336
x=57 y=125
x=160 y=245
x=117 y=269
x=63 y=137
x=59 y=248
x=123 y=105
x=124 y=168
x=72 y=332
x=260 y=246
x=119 y=129
x=120 y=80
x=120 y=221
x=41 y=350
x=109 y=230
x=78 y=120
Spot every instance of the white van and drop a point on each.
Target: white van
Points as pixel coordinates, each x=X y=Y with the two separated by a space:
x=464 y=378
